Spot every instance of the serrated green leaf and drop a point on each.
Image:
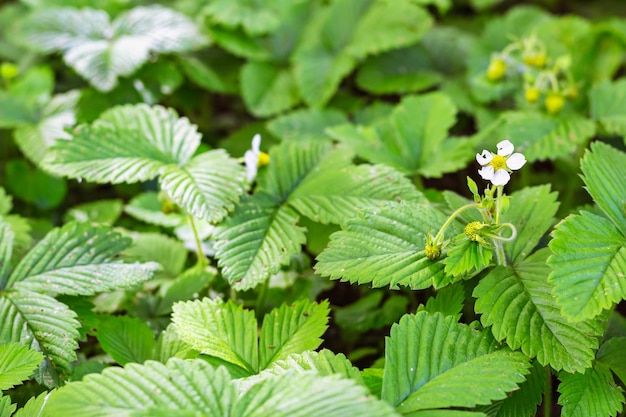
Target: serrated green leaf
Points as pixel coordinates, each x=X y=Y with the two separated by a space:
x=6 y=250
x=589 y=257
x=42 y=322
x=100 y=50
x=178 y=388
x=518 y=305
x=170 y=345
x=268 y=88
x=17 y=363
x=126 y=339
x=606 y=185
x=405 y=70
x=531 y=211
x=543 y=137
x=6 y=408
x=223 y=330
x=34 y=407
x=78 y=259
x=6 y=202
x=385 y=248
x=445 y=413
x=147 y=207
x=35 y=140
x=101 y=211
x=321 y=197
x=466 y=257
x=256 y=240
x=292 y=329
x=606 y=103
x=185 y=287
x=437 y=351
x=591 y=393
x=256 y=18
x=305 y=124
x=449 y=301
x=207 y=187
x=612 y=353
x=101 y=153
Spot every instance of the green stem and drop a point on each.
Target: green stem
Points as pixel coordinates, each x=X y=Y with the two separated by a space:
x=497 y=243
x=260 y=299
x=458 y=211
x=201 y=257
x=498 y=204
x=547 y=394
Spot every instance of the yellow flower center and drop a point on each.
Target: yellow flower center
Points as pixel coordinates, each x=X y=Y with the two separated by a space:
x=264 y=159
x=498 y=162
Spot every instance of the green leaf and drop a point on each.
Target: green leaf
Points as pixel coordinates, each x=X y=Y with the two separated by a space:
x=413 y=138
x=605 y=185
x=606 y=103
x=223 y=330
x=207 y=187
x=6 y=250
x=589 y=257
x=101 y=153
x=42 y=322
x=17 y=363
x=170 y=345
x=426 y=353
x=256 y=18
x=126 y=339
x=35 y=140
x=268 y=88
x=78 y=259
x=385 y=248
x=6 y=202
x=101 y=211
x=305 y=124
x=213 y=70
x=6 y=408
x=292 y=329
x=256 y=240
x=612 y=353
x=147 y=207
x=185 y=287
x=400 y=71
x=34 y=185
x=178 y=388
x=543 y=137
x=34 y=407
x=466 y=257
x=531 y=211
x=449 y=301
x=518 y=305
x=591 y=393
x=322 y=198
x=100 y=50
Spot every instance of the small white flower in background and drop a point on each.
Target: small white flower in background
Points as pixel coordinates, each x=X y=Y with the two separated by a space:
x=254 y=158
x=497 y=168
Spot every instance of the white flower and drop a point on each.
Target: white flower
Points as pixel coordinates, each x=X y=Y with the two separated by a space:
x=254 y=158
x=496 y=168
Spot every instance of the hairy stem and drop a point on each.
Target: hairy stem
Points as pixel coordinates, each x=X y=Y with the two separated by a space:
x=201 y=257
x=458 y=211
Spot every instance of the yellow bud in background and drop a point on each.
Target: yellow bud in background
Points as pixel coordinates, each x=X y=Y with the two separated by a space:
x=554 y=103
x=8 y=71
x=570 y=92
x=532 y=94
x=537 y=60
x=496 y=70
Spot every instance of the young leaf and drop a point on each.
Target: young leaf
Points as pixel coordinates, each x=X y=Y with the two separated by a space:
x=100 y=50
x=591 y=393
x=126 y=339
x=589 y=257
x=78 y=259
x=256 y=240
x=100 y=152
x=292 y=329
x=464 y=258
x=223 y=330
x=517 y=303
x=426 y=352
x=207 y=187
x=17 y=363
x=606 y=103
x=385 y=248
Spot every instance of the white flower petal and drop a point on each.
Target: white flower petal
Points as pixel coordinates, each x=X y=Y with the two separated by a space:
x=256 y=143
x=485 y=158
x=486 y=172
x=251 y=160
x=505 y=147
x=501 y=177
x=515 y=161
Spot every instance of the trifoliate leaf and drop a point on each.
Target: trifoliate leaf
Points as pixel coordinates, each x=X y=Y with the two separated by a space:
x=589 y=257
x=517 y=303
x=426 y=353
x=385 y=247
x=606 y=103
x=292 y=329
x=17 y=363
x=258 y=238
x=100 y=50
x=593 y=392
x=223 y=330
x=207 y=187
x=126 y=339
x=101 y=153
